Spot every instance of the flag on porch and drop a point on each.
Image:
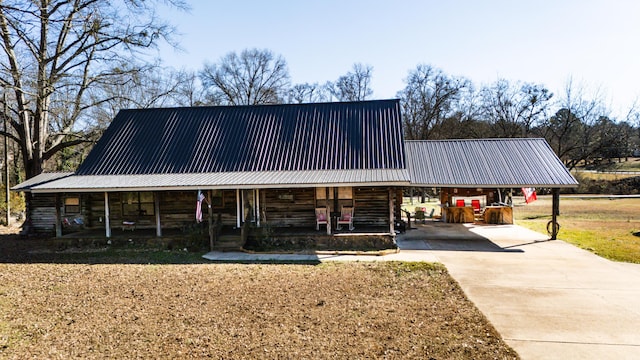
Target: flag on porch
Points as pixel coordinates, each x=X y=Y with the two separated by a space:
x=199 y=206
x=529 y=195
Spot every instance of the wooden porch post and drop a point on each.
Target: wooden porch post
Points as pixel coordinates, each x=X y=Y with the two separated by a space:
x=156 y=204
x=107 y=223
x=58 y=217
x=211 y=227
x=391 y=211
x=238 y=208
x=328 y=213
x=555 y=211
x=257 y=204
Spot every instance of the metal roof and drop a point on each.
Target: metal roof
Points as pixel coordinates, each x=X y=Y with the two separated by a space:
x=292 y=137
x=227 y=180
x=519 y=162
x=39 y=180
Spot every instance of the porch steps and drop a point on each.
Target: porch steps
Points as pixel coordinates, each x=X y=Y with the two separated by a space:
x=228 y=243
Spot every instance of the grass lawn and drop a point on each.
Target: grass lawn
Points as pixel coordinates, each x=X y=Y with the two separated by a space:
x=64 y=308
x=609 y=228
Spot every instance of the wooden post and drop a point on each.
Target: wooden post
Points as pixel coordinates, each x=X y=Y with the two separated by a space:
x=156 y=204
x=58 y=217
x=238 y=206
x=555 y=211
x=107 y=222
x=211 y=227
x=328 y=213
x=391 y=211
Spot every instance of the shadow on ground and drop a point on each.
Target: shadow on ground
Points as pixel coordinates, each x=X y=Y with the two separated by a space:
x=439 y=236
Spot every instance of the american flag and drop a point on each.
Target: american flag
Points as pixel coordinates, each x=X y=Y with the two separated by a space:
x=199 y=206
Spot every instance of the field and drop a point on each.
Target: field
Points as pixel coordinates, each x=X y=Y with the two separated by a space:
x=70 y=309
x=607 y=227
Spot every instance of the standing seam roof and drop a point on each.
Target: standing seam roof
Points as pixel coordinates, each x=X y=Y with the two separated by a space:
x=294 y=137
x=486 y=162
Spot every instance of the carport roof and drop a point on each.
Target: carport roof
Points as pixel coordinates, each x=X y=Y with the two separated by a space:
x=520 y=162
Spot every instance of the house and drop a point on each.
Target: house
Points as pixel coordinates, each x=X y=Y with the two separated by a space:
x=255 y=165
x=295 y=169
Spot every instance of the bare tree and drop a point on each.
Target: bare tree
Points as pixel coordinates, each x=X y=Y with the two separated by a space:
x=513 y=110
x=571 y=132
x=307 y=93
x=55 y=53
x=355 y=85
x=430 y=97
x=251 y=78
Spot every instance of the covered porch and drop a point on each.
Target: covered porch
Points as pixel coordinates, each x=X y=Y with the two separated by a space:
x=259 y=218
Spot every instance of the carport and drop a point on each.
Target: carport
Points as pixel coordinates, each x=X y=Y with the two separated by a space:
x=471 y=166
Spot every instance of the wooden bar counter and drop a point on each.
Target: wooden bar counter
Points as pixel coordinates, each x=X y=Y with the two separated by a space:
x=498 y=215
x=459 y=214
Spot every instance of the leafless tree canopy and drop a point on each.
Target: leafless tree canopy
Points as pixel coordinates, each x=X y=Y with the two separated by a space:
x=56 y=55
x=355 y=85
x=250 y=78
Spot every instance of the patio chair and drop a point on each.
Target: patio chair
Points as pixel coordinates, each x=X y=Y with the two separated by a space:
x=321 y=218
x=460 y=203
x=346 y=218
x=475 y=204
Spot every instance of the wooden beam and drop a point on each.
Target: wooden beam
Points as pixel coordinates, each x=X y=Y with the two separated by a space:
x=58 y=217
x=107 y=222
x=328 y=212
x=211 y=227
x=156 y=204
x=238 y=208
x=391 y=211
x=555 y=211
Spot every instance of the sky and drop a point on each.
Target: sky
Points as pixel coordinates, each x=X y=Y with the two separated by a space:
x=593 y=43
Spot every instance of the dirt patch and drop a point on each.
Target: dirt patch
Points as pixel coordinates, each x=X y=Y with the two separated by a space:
x=360 y=310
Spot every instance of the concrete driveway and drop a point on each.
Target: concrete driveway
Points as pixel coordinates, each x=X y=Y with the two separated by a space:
x=548 y=299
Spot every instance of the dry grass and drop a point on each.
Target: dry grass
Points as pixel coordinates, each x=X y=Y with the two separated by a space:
x=359 y=310
x=604 y=226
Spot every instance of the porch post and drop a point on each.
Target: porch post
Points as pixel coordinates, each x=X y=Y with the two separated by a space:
x=238 y=205
x=156 y=204
x=58 y=217
x=391 y=211
x=257 y=201
x=107 y=223
x=328 y=213
x=211 y=227
x=555 y=211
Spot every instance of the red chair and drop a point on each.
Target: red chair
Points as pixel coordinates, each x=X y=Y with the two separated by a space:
x=475 y=204
x=460 y=203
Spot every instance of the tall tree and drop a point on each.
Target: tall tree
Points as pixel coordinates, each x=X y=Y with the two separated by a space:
x=55 y=53
x=355 y=85
x=430 y=97
x=571 y=132
x=250 y=78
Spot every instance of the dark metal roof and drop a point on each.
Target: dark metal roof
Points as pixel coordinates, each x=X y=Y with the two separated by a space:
x=486 y=163
x=298 y=137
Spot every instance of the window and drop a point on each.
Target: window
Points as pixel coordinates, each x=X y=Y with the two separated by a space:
x=72 y=205
x=137 y=204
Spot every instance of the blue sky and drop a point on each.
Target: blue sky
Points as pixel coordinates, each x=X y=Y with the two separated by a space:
x=594 y=42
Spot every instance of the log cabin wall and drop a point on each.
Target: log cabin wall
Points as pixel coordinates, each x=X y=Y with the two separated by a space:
x=288 y=207
x=43 y=213
x=371 y=206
